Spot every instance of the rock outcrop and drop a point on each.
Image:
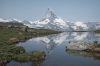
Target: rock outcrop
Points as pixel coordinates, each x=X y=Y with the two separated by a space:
x=80 y=45
x=83 y=46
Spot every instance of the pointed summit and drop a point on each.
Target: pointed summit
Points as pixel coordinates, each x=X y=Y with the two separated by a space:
x=50 y=14
x=51 y=21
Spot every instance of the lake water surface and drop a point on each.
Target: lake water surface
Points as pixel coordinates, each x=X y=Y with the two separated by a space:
x=55 y=48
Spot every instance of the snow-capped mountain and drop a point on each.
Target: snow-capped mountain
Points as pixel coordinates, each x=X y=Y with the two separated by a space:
x=27 y=23
x=4 y=20
x=79 y=26
x=11 y=23
x=93 y=26
x=9 y=20
x=51 y=21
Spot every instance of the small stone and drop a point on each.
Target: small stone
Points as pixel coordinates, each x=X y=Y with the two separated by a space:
x=13 y=40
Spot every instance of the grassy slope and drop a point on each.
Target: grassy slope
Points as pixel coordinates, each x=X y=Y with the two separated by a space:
x=8 y=49
x=97 y=31
x=7 y=33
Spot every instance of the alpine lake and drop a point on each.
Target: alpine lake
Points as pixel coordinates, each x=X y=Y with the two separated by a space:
x=55 y=48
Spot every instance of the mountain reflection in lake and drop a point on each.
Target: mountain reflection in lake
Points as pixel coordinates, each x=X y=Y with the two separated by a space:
x=55 y=48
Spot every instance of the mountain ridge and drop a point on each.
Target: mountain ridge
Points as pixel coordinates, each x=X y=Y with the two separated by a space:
x=52 y=21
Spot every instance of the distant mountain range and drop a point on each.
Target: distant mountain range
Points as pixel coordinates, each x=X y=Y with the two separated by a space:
x=10 y=23
x=52 y=21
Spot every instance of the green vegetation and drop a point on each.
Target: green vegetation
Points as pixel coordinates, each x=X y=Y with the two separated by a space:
x=14 y=35
x=42 y=32
x=23 y=57
x=97 y=31
x=9 y=52
x=10 y=36
x=92 y=54
x=36 y=56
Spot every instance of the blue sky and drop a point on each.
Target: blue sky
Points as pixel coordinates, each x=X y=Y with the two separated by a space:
x=71 y=10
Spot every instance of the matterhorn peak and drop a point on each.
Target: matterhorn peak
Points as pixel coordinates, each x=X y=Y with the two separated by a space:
x=50 y=14
x=50 y=21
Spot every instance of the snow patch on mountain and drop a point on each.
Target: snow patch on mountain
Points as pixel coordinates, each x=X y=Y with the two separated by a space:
x=51 y=21
x=9 y=20
x=60 y=22
x=42 y=22
x=4 y=20
x=80 y=24
x=15 y=20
